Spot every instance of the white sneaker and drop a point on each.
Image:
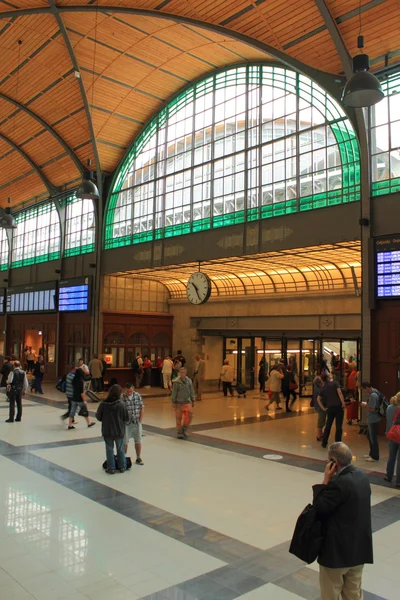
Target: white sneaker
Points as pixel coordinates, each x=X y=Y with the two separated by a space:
x=369 y=459
x=366 y=456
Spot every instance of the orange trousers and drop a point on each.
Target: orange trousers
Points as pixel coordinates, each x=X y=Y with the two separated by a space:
x=183 y=415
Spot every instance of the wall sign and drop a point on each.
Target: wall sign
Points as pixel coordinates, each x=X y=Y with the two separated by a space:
x=387 y=267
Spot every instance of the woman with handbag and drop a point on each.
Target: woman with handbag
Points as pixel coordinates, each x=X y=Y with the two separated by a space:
x=393 y=437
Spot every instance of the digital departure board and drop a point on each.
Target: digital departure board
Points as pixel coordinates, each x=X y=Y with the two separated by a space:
x=387 y=254
x=73 y=295
x=32 y=298
x=2 y=301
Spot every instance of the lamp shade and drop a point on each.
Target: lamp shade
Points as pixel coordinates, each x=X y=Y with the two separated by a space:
x=87 y=190
x=7 y=221
x=363 y=88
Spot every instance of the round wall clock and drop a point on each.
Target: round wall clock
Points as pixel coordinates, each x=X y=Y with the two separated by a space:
x=198 y=288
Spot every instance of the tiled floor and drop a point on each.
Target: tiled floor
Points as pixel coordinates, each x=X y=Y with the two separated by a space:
x=207 y=519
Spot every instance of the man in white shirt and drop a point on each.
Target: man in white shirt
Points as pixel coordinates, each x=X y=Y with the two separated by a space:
x=167 y=368
x=17 y=386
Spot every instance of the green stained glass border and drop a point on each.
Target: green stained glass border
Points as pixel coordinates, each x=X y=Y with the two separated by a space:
x=253 y=74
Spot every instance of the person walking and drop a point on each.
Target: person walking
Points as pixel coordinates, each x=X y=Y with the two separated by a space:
x=199 y=373
x=133 y=429
x=179 y=360
x=373 y=420
x=227 y=376
x=5 y=371
x=166 y=372
x=114 y=416
x=343 y=504
x=69 y=390
x=262 y=374
x=182 y=398
x=38 y=374
x=393 y=417
x=96 y=371
x=137 y=370
x=274 y=384
x=17 y=386
x=321 y=420
x=79 y=400
x=103 y=372
x=331 y=401
x=30 y=359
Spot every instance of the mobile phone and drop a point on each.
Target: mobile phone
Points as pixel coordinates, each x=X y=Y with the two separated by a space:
x=333 y=463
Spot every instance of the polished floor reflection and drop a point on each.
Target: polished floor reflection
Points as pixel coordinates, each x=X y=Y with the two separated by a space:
x=204 y=519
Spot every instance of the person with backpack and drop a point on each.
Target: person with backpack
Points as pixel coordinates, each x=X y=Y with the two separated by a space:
x=17 y=386
x=393 y=418
x=67 y=388
x=375 y=401
x=113 y=415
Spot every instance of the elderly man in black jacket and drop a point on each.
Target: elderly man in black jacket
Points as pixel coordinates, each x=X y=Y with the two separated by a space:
x=343 y=503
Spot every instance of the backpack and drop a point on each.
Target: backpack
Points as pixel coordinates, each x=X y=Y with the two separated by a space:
x=383 y=404
x=61 y=384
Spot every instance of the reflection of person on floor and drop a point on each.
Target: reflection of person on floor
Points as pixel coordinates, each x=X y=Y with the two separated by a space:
x=318 y=383
x=227 y=376
x=274 y=384
x=343 y=503
x=331 y=401
x=183 y=399
x=17 y=386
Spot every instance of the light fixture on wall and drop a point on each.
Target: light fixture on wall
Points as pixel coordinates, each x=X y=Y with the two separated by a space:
x=363 y=88
x=88 y=188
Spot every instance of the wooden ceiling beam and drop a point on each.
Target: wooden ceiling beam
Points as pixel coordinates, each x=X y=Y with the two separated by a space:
x=48 y=128
x=336 y=37
x=51 y=188
x=56 y=12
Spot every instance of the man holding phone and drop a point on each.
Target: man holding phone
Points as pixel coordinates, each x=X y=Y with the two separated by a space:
x=343 y=504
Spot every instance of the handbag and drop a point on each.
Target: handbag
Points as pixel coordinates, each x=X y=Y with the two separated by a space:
x=307 y=536
x=83 y=411
x=394 y=432
x=293 y=386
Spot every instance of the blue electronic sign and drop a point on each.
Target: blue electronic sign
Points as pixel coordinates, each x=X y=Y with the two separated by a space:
x=387 y=278
x=73 y=295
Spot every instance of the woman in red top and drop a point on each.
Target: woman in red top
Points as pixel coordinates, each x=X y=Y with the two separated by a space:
x=147 y=371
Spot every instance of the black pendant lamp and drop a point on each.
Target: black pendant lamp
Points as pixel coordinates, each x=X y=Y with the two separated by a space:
x=363 y=88
x=88 y=188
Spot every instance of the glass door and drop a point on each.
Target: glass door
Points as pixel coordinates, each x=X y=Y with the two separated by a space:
x=246 y=362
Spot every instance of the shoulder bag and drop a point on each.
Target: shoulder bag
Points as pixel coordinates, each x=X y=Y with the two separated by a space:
x=307 y=537
x=394 y=432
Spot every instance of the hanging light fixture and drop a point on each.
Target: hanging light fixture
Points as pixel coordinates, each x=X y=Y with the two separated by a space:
x=363 y=88
x=88 y=188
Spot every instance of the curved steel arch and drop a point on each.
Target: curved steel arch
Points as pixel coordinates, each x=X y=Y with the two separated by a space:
x=48 y=128
x=54 y=9
x=51 y=188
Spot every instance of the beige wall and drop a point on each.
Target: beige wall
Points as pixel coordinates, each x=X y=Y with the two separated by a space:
x=126 y=294
x=323 y=314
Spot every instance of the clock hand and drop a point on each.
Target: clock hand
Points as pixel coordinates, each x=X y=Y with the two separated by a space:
x=197 y=290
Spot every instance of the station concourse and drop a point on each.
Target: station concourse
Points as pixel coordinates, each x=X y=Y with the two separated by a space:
x=204 y=178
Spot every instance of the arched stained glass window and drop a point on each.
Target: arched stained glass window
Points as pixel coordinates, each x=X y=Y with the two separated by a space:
x=79 y=226
x=243 y=144
x=4 y=250
x=385 y=139
x=37 y=237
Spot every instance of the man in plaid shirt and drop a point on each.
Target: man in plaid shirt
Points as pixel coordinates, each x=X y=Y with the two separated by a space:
x=133 y=429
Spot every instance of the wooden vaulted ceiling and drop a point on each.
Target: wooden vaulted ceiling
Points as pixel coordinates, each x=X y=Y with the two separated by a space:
x=88 y=75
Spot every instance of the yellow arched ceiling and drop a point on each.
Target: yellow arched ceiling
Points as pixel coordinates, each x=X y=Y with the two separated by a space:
x=87 y=76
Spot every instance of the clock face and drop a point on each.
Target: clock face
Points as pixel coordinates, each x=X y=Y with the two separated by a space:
x=198 y=288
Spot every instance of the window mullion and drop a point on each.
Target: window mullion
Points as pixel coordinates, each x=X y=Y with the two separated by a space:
x=212 y=171
x=298 y=143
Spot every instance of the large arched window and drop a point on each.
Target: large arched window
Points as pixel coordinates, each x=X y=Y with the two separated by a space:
x=79 y=226
x=37 y=237
x=4 y=250
x=246 y=143
x=385 y=139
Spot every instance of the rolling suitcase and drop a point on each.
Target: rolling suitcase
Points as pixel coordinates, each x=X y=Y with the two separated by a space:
x=93 y=397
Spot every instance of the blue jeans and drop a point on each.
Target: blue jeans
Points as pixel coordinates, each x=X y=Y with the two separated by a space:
x=373 y=440
x=119 y=443
x=38 y=384
x=393 y=455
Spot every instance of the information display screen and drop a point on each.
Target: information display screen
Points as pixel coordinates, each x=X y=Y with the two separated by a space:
x=73 y=295
x=2 y=301
x=32 y=298
x=387 y=254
